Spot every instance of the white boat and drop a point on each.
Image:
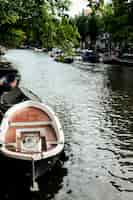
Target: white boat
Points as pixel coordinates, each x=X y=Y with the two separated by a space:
x=31 y=136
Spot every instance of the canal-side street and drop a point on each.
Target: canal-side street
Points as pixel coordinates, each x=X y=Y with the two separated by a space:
x=94 y=103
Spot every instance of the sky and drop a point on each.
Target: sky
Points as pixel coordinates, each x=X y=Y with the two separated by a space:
x=78 y=5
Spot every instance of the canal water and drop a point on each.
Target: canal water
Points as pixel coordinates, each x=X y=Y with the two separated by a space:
x=94 y=103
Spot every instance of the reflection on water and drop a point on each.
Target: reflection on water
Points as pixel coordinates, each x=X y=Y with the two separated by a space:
x=120 y=119
x=95 y=105
x=18 y=187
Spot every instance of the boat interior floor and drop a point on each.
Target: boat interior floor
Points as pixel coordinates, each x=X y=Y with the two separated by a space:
x=30 y=122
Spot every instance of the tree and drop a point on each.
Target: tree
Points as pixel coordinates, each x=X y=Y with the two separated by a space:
x=88 y=26
x=58 y=7
x=37 y=22
x=67 y=36
x=82 y=25
x=47 y=27
x=116 y=22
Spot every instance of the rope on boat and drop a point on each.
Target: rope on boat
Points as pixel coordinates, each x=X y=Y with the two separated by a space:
x=34 y=186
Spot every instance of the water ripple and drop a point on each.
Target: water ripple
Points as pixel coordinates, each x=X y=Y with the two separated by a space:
x=95 y=107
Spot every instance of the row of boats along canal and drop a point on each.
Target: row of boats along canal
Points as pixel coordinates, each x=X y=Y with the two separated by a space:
x=31 y=135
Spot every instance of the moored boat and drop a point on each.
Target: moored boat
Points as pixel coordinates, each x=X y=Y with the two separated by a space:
x=115 y=60
x=31 y=137
x=64 y=59
x=90 y=56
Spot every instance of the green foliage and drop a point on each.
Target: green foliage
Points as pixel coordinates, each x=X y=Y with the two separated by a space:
x=116 y=22
x=82 y=24
x=67 y=36
x=88 y=26
x=37 y=22
x=45 y=27
x=15 y=37
x=58 y=7
x=116 y=19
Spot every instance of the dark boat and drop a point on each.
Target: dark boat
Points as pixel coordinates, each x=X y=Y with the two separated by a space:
x=90 y=56
x=31 y=136
x=123 y=61
x=64 y=59
x=114 y=60
x=68 y=60
x=7 y=70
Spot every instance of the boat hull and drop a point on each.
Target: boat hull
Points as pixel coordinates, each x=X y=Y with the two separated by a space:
x=32 y=139
x=25 y=167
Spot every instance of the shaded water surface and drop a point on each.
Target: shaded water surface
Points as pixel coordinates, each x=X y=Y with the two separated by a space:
x=95 y=107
